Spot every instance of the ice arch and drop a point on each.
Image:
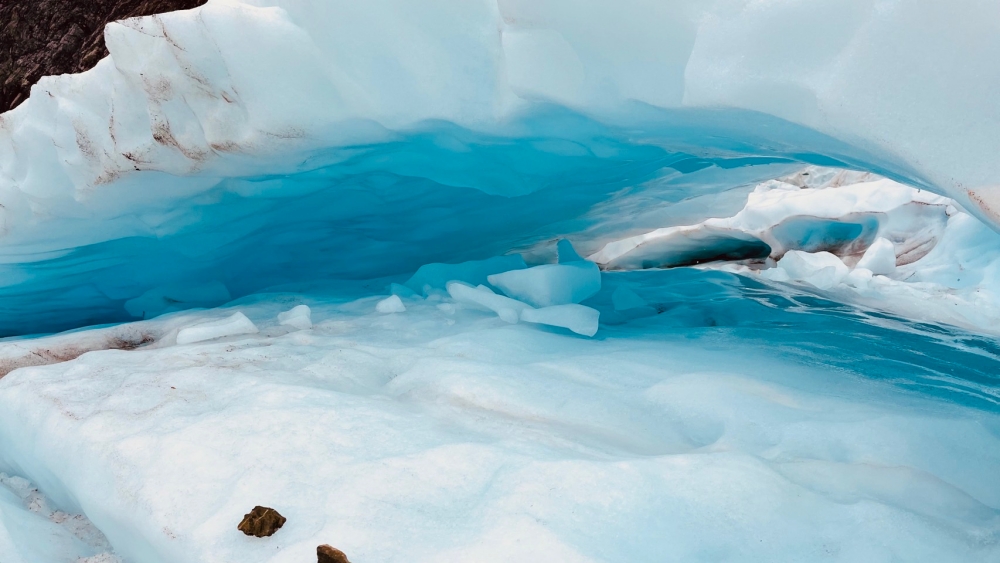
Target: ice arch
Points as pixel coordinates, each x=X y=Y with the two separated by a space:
x=255 y=143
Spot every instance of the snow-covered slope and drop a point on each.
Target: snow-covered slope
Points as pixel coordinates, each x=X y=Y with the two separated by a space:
x=187 y=156
x=713 y=418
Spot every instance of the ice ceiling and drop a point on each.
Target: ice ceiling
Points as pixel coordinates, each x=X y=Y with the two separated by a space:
x=249 y=144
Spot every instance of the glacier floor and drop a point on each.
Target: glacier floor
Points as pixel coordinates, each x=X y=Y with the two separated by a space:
x=723 y=420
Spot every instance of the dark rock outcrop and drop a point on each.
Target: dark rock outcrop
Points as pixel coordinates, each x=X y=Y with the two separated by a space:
x=330 y=554
x=47 y=37
x=261 y=522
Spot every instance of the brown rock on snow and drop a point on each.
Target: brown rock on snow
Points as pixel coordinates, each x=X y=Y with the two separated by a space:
x=261 y=522
x=330 y=554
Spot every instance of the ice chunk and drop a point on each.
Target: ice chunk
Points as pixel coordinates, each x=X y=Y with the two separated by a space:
x=821 y=269
x=234 y=325
x=880 y=257
x=550 y=284
x=474 y=272
x=166 y=299
x=624 y=299
x=508 y=309
x=391 y=304
x=566 y=252
x=859 y=277
x=577 y=318
x=775 y=274
x=299 y=317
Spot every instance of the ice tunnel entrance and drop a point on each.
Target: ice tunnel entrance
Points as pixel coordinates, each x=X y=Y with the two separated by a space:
x=438 y=193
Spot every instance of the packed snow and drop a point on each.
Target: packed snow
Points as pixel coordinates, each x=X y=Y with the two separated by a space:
x=31 y=531
x=712 y=418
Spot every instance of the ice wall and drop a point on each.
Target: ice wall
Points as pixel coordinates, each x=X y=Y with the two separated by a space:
x=254 y=143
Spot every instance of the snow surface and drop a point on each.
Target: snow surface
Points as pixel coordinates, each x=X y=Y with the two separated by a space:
x=712 y=424
x=32 y=532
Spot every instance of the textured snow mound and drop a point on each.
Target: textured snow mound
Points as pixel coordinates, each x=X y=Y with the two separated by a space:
x=246 y=144
x=447 y=434
x=31 y=531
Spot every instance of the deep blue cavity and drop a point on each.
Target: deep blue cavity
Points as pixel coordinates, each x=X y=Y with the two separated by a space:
x=438 y=193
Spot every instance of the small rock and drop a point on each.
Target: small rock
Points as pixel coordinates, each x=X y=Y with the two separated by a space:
x=329 y=554
x=261 y=522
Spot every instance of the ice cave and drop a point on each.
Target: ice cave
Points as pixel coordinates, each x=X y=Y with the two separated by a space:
x=475 y=281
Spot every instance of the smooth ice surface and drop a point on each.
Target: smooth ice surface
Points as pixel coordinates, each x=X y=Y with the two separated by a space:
x=506 y=308
x=550 y=284
x=234 y=325
x=577 y=318
x=256 y=143
x=727 y=419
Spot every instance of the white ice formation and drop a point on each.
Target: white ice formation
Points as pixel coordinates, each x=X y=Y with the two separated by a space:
x=299 y=317
x=868 y=240
x=391 y=304
x=235 y=325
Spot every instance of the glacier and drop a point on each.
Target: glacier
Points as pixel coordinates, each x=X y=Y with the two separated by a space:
x=458 y=280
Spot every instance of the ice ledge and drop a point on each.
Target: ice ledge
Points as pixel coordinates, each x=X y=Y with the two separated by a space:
x=210 y=91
